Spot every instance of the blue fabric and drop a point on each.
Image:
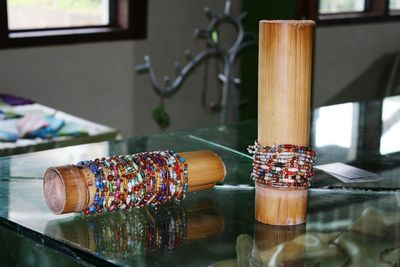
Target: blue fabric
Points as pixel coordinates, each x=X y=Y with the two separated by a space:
x=8 y=131
x=72 y=129
x=8 y=136
x=55 y=124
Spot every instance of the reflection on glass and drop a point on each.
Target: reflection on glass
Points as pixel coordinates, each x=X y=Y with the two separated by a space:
x=390 y=125
x=337 y=126
x=35 y=164
x=370 y=240
x=139 y=231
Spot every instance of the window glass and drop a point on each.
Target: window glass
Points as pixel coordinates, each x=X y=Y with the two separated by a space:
x=341 y=6
x=45 y=14
x=394 y=4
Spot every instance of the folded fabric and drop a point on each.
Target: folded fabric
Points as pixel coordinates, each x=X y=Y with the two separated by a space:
x=8 y=131
x=72 y=129
x=13 y=100
x=6 y=115
x=53 y=126
x=29 y=124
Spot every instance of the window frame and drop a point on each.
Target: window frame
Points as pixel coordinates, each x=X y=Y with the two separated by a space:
x=375 y=11
x=128 y=21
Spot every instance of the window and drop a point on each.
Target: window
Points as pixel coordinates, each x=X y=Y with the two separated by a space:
x=341 y=6
x=394 y=4
x=337 y=11
x=45 y=14
x=43 y=22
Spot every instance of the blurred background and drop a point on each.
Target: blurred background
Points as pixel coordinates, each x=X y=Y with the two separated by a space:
x=47 y=56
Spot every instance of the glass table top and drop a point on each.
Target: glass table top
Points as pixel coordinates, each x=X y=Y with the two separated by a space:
x=348 y=224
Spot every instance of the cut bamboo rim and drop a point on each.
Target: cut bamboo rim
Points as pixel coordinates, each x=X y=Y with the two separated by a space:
x=284 y=93
x=71 y=188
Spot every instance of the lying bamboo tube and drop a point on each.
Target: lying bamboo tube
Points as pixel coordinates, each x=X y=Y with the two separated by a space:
x=284 y=90
x=71 y=188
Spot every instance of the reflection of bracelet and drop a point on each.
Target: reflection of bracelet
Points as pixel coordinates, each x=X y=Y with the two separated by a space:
x=138 y=232
x=282 y=165
x=148 y=178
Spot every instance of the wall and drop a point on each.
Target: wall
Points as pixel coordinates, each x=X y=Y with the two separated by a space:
x=344 y=53
x=97 y=81
x=171 y=33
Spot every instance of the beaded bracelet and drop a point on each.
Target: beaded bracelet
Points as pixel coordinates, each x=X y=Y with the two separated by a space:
x=134 y=181
x=282 y=165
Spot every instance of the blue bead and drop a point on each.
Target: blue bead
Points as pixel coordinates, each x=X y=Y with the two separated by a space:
x=93 y=168
x=182 y=159
x=92 y=208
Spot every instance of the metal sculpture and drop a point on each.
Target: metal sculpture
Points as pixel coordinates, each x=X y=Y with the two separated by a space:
x=226 y=55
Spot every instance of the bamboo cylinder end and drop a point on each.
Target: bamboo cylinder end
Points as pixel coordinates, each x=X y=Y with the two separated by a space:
x=297 y=22
x=280 y=206
x=65 y=189
x=54 y=191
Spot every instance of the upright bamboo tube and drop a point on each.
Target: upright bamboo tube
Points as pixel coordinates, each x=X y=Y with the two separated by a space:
x=284 y=90
x=72 y=188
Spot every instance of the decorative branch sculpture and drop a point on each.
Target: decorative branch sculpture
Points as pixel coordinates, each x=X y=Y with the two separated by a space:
x=226 y=55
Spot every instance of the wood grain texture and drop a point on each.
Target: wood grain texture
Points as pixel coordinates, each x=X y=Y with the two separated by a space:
x=71 y=189
x=284 y=93
x=279 y=206
x=284 y=82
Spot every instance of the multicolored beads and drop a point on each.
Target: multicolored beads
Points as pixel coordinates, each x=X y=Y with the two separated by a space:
x=135 y=181
x=137 y=232
x=282 y=165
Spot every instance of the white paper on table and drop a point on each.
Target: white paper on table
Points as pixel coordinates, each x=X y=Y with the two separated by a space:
x=348 y=174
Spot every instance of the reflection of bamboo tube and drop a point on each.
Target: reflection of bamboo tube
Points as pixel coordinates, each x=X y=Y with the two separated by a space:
x=272 y=243
x=284 y=89
x=203 y=224
x=139 y=231
x=71 y=189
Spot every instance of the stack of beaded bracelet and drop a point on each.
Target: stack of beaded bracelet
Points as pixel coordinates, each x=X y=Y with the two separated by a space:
x=282 y=165
x=148 y=178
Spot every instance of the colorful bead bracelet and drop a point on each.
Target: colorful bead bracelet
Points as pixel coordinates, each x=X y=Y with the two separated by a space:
x=134 y=181
x=282 y=165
